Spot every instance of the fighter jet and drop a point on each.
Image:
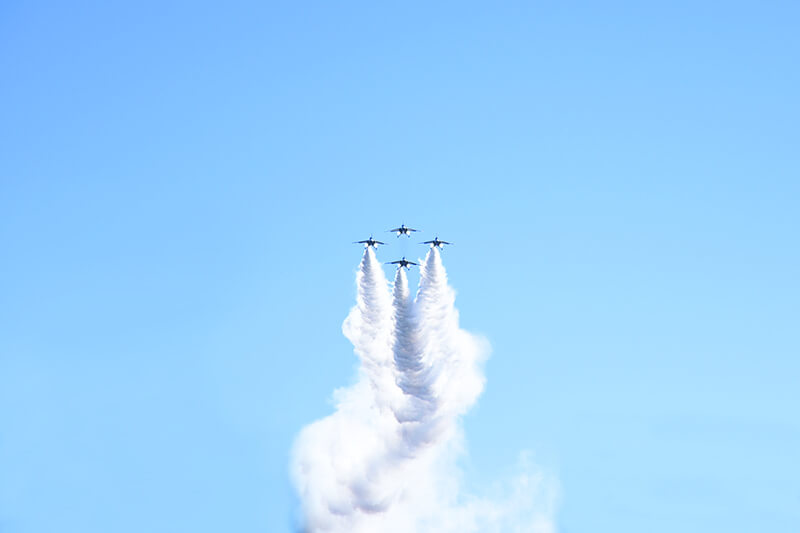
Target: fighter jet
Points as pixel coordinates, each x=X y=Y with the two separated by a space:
x=401 y=263
x=436 y=243
x=403 y=230
x=369 y=242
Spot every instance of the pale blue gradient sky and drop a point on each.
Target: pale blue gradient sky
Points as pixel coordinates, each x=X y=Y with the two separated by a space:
x=179 y=186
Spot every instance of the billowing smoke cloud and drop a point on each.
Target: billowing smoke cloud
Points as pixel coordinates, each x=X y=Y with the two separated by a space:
x=385 y=461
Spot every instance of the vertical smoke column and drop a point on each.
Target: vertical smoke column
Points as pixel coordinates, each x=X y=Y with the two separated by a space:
x=454 y=354
x=415 y=373
x=336 y=460
x=369 y=326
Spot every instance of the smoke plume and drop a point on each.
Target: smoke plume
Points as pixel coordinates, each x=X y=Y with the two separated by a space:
x=385 y=460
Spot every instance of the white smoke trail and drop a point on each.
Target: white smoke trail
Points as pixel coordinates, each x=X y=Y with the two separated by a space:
x=385 y=460
x=368 y=326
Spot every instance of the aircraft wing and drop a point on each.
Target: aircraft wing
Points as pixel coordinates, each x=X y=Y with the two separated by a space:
x=411 y=263
x=395 y=229
x=378 y=242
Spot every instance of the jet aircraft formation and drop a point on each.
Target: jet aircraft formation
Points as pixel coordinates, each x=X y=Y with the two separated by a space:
x=402 y=230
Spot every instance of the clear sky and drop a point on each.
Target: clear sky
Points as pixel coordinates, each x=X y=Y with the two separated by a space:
x=180 y=185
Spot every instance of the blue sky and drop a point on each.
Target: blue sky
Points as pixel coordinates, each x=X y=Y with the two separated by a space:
x=180 y=184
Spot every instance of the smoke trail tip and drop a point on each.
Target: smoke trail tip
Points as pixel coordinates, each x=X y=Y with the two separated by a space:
x=400 y=288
